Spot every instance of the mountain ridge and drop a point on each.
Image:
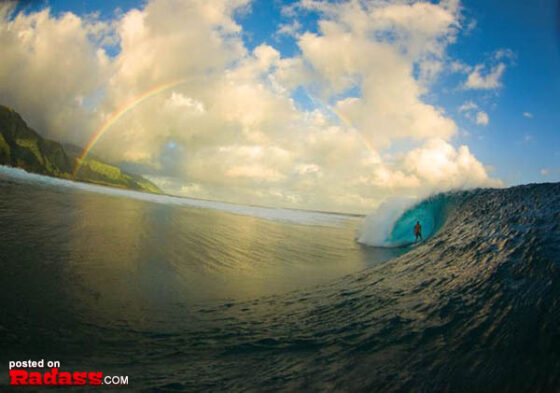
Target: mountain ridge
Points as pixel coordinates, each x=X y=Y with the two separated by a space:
x=22 y=147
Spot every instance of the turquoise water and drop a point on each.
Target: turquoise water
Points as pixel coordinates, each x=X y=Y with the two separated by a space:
x=431 y=213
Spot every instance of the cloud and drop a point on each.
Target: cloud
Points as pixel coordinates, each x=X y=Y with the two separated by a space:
x=485 y=76
x=350 y=51
x=472 y=112
x=232 y=128
x=505 y=53
x=544 y=172
x=471 y=25
x=289 y=29
x=178 y=100
x=468 y=106
x=437 y=162
x=459 y=66
x=482 y=118
x=482 y=79
x=528 y=115
x=49 y=67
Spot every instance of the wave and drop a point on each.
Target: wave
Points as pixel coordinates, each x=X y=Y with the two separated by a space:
x=290 y=216
x=475 y=309
x=392 y=224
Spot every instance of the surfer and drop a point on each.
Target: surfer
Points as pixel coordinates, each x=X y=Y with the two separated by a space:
x=418 y=231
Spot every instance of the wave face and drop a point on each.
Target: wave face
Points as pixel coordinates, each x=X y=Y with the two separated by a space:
x=431 y=213
x=474 y=308
x=392 y=224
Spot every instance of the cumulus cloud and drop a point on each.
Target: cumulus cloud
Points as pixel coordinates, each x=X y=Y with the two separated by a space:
x=437 y=162
x=230 y=127
x=352 y=50
x=49 y=67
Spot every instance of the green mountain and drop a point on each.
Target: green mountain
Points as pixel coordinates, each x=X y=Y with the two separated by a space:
x=22 y=147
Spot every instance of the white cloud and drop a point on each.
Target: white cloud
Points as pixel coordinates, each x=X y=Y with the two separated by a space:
x=178 y=100
x=289 y=29
x=346 y=53
x=482 y=79
x=238 y=133
x=485 y=76
x=468 y=106
x=49 y=65
x=528 y=115
x=437 y=162
x=472 y=112
x=459 y=66
x=482 y=118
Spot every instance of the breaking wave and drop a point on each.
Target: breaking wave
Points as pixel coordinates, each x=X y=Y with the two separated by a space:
x=391 y=225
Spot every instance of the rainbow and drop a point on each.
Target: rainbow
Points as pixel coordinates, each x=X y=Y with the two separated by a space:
x=344 y=119
x=350 y=125
x=115 y=116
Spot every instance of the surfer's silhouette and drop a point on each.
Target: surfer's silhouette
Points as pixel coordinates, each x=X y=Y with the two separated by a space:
x=418 y=232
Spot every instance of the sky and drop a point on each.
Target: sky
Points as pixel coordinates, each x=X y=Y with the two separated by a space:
x=307 y=104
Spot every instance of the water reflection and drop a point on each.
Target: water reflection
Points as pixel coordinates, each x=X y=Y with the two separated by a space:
x=135 y=262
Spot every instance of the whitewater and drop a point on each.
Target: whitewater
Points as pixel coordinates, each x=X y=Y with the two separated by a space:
x=183 y=297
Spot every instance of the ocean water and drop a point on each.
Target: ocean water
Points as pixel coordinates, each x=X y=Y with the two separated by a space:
x=188 y=295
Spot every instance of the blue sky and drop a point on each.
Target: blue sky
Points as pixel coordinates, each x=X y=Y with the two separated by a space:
x=517 y=146
x=498 y=81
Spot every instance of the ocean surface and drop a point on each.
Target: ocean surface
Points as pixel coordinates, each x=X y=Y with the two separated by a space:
x=190 y=295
